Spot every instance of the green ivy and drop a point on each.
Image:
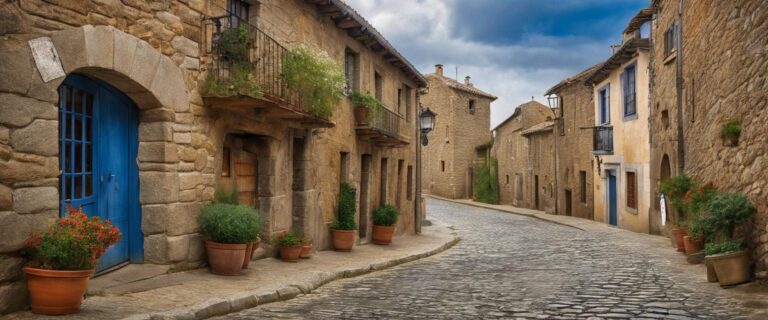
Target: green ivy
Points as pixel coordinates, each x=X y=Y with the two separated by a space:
x=732 y=128
x=317 y=78
x=230 y=223
x=385 y=215
x=486 y=184
x=345 y=219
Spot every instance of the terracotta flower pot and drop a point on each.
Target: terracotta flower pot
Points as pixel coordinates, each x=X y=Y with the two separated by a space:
x=226 y=259
x=711 y=275
x=56 y=292
x=383 y=235
x=361 y=115
x=678 y=234
x=692 y=245
x=290 y=254
x=306 y=251
x=343 y=240
x=731 y=267
x=248 y=255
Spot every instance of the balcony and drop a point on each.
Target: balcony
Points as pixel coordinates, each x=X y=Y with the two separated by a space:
x=383 y=129
x=241 y=53
x=602 y=140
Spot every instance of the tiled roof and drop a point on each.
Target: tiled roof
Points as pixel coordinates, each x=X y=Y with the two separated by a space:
x=517 y=112
x=626 y=53
x=539 y=127
x=579 y=77
x=452 y=83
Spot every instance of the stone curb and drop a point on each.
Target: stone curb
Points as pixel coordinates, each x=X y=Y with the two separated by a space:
x=222 y=306
x=542 y=217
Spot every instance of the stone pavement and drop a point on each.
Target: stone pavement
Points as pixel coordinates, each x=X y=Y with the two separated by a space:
x=199 y=294
x=510 y=266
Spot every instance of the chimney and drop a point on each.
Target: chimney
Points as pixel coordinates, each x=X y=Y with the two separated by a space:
x=615 y=48
x=466 y=80
x=439 y=69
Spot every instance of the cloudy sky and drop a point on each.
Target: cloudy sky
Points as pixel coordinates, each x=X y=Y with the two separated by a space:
x=515 y=49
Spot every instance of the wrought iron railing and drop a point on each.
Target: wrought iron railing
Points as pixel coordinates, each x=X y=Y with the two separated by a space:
x=231 y=41
x=386 y=120
x=602 y=139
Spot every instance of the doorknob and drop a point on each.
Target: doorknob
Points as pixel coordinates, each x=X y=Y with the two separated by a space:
x=111 y=176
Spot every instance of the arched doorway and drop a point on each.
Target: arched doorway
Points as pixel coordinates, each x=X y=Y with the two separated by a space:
x=98 y=145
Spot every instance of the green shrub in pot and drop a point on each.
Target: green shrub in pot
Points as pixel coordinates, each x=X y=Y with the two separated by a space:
x=385 y=215
x=230 y=223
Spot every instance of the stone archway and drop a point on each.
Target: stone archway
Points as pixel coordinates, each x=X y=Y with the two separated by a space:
x=29 y=157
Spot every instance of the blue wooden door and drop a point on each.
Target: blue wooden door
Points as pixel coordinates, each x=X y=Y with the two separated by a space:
x=99 y=142
x=613 y=212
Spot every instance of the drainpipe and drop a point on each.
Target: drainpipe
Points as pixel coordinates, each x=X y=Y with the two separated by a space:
x=417 y=215
x=679 y=86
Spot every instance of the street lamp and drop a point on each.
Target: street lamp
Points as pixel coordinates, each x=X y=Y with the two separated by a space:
x=427 y=123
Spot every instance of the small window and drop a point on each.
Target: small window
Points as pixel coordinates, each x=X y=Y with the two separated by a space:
x=239 y=12
x=400 y=101
x=604 y=101
x=442 y=166
x=631 y=190
x=226 y=157
x=409 y=185
x=583 y=186
x=471 y=106
x=351 y=74
x=670 y=39
x=507 y=176
x=378 y=85
x=628 y=91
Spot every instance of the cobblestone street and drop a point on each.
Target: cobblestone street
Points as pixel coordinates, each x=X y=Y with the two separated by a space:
x=508 y=266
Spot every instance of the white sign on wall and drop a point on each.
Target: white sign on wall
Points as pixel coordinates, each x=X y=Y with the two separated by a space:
x=663 y=206
x=46 y=58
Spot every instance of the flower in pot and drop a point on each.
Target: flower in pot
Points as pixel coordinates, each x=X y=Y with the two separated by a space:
x=731 y=133
x=63 y=259
x=384 y=219
x=290 y=247
x=675 y=190
x=343 y=228
x=231 y=228
x=365 y=106
x=306 y=248
x=728 y=257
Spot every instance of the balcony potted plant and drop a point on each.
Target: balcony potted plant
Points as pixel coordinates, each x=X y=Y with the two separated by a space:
x=728 y=257
x=365 y=106
x=62 y=260
x=230 y=229
x=290 y=247
x=384 y=219
x=675 y=189
x=317 y=79
x=343 y=228
x=731 y=132
x=306 y=248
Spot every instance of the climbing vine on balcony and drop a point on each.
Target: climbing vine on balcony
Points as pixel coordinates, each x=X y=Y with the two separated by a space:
x=317 y=78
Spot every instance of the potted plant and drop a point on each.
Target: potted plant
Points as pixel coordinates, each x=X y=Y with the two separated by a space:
x=731 y=132
x=315 y=77
x=62 y=260
x=365 y=106
x=700 y=224
x=675 y=189
x=249 y=250
x=728 y=257
x=384 y=219
x=290 y=247
x=306 y=248
x=343 y=228
x=230 y=228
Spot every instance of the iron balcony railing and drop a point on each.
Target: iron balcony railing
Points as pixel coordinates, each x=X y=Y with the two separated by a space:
x=387 y=121
x=602 y=139
x=231 y=42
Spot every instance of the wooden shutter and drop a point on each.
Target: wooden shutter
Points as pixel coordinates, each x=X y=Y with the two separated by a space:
x=631 y=190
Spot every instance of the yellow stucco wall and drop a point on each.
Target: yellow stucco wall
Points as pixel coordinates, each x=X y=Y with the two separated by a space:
x=631 y=150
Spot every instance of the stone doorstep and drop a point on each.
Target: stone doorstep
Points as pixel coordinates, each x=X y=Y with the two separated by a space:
x=149 y=292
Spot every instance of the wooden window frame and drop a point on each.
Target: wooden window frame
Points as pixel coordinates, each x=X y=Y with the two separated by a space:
x=630 y=189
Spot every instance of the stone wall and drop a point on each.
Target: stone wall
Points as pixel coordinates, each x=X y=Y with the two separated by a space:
x=573 y=147
x=722 y=82
x=152 y=53
x=452 y=143
x=541 y=166
x=513 y=152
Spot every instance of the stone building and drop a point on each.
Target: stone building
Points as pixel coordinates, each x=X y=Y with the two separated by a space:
x=523 y=145
x=621 y=136
x=573 y=146
x=461 y=131
x=109 y=115
x=697 y=87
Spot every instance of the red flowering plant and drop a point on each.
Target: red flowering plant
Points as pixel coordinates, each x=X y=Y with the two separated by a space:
x=74 y=242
